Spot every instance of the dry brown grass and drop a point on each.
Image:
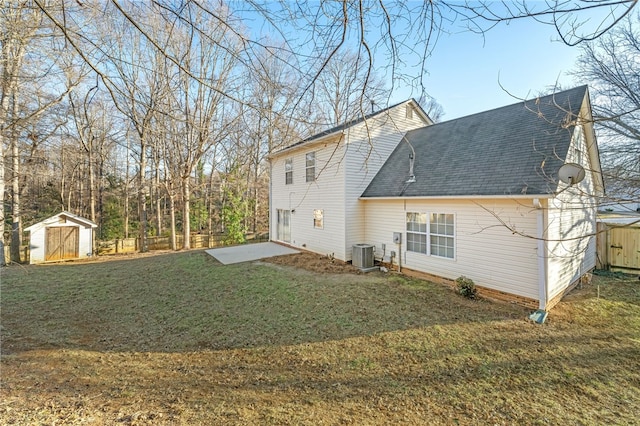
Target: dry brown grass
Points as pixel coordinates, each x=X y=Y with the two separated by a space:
x=179 y=339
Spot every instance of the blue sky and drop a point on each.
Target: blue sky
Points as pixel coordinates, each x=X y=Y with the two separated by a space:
x=466 y=71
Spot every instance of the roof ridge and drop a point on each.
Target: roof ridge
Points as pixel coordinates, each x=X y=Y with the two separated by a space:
x=355 y=121
x=521 y=102
x=346 y=125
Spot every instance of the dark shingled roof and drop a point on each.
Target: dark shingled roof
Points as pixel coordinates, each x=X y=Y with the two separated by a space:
x=513 y=150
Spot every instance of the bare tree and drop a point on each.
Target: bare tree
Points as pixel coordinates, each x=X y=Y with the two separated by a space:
x=22 y=98
x=611 y=65
x=19 y=23
x=272 y=124
x=347 y=89
x=203 y=111
x=407 y=32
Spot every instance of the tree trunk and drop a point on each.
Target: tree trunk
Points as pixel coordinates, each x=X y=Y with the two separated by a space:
x=172 y=212
x=156 y=185
x=142 y=200
x=4 y=108
x=16 y=227
x=126 y=190
x=186 y=221
x=3 y=261
x=92 y=192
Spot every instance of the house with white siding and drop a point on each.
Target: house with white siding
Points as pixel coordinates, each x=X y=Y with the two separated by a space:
x=316 y=183
x=479 y=196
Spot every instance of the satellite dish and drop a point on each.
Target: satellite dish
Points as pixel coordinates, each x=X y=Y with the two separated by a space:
x=571 y=173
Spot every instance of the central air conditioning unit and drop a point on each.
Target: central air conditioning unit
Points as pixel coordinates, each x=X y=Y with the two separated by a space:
x=362 y=256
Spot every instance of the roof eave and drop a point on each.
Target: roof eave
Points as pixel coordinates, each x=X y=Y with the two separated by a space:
x=320 y=137
x=460 y=197
x=307 y=143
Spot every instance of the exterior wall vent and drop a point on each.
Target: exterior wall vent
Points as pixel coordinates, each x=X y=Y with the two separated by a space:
x=362 y=256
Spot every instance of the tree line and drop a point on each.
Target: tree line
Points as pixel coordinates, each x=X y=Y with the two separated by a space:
x=157 y=118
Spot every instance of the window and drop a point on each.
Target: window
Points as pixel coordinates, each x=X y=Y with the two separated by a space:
x=311 y=166
x=441 y=234
x=318 y=219
x=409 y=112
x=439 y=231
x=577 y=147
x=417 y=232
x=288 y=171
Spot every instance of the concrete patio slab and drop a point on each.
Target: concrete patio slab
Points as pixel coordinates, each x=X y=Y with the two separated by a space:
x=249 y=252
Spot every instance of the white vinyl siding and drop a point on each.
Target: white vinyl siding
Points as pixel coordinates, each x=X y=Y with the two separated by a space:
x=343 y=167
x=486 y=250
x=368 y=149
x=303 y=198
x=571 y=225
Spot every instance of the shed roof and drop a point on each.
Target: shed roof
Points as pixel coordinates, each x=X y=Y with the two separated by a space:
x=55 y=219
x=512 y=150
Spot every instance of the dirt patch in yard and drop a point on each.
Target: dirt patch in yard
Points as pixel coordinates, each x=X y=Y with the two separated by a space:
x=315 y=262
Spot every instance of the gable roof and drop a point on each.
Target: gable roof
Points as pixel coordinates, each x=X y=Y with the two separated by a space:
x=55 y=219
x=341 y=127
x=513 y=150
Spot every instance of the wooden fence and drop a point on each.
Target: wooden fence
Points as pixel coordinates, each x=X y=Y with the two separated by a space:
x=618 y=248
x=132 y=245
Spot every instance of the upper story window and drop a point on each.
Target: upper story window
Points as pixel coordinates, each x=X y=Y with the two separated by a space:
x=578 y=144
x=311 y=166
x=409 y=112
x=288 y=171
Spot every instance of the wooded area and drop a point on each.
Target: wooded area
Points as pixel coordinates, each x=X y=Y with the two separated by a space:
x=146 y=142
x=156 y=119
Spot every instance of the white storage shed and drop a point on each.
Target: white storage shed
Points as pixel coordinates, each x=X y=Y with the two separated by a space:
x=61 y=237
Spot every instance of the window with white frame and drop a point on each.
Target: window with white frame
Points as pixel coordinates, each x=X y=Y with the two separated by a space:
x=318 y=219
x=409 y=112
x=417 y=232
x=577 y=145
x=311 y=166
x=441 y=235
x=288 y=171
x=438 y=231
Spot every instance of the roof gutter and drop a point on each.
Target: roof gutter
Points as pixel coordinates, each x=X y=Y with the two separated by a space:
x=306 y=144
x=460 y=197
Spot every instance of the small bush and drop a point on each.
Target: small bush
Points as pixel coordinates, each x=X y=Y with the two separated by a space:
x=466 y=287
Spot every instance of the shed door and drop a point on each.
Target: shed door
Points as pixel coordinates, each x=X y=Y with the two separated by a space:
x=61 y=242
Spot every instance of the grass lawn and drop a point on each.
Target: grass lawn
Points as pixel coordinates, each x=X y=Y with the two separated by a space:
x=180 y=339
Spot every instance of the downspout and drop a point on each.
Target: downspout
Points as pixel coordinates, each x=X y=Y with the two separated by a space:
x=542 y=255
